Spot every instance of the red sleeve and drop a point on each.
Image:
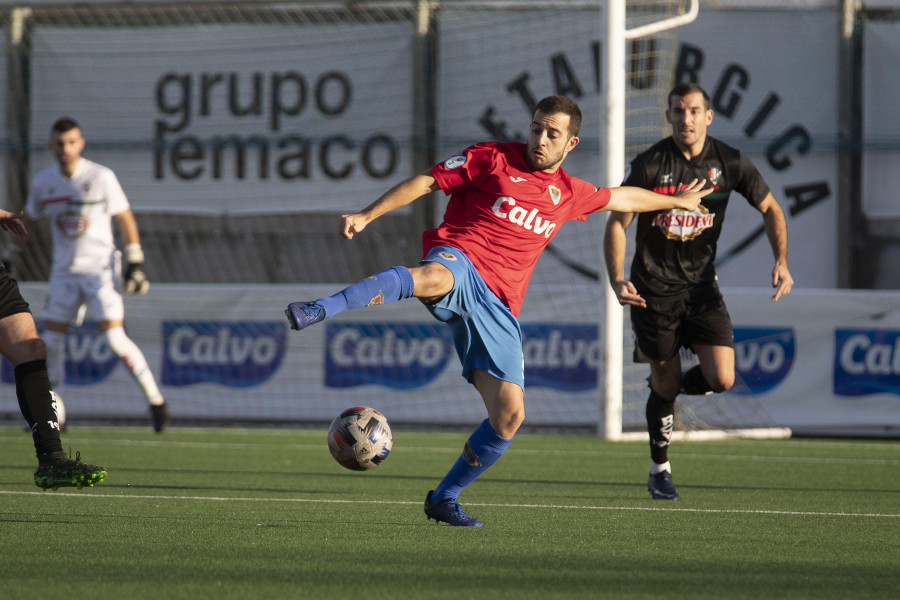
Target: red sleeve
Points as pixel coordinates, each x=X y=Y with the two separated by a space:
x=590 y=199
x=465 y=170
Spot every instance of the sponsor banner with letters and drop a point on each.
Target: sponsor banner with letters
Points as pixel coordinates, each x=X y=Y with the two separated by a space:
x=225 y=352
x=395 y=355
x=866 y=361
x=232 y=353
x=816 y=361
x=237 y=118
x=763 y=357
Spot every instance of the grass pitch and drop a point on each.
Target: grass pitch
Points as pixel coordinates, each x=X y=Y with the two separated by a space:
x=267 y=513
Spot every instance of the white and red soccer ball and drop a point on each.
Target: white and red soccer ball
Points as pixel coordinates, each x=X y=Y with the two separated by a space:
x=360 y=438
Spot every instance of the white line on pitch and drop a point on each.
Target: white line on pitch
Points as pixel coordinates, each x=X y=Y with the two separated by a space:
x=484 y=504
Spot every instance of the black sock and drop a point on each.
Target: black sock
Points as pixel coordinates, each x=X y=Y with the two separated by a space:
x=660 y=420
x=37 y=406
x=694 y=383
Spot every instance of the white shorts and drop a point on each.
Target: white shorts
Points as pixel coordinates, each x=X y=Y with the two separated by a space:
x=98 y=292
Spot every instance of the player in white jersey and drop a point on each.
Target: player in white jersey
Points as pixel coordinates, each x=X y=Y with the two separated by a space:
x=80 y=199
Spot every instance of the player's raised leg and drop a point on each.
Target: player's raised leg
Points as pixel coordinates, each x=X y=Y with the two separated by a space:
x=390 y=285
x=715 y=373
x=429 y=282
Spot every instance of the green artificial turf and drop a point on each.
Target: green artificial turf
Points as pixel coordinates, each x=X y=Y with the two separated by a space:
x=267 y=513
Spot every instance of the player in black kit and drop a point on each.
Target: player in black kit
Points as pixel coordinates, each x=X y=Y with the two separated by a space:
x=19 y=342
x=673 y=294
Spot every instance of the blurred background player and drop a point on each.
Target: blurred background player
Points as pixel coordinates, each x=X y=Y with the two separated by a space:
x=81 y=198
x=507 y=202
x=674 y=298
x=20 y=344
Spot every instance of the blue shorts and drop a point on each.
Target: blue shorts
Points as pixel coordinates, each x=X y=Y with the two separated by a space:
x=486 y=334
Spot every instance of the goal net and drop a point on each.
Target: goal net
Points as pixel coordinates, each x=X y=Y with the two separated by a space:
x=241 y=131
x=712 y=416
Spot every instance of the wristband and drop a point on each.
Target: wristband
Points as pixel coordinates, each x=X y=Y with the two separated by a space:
x=134 y=254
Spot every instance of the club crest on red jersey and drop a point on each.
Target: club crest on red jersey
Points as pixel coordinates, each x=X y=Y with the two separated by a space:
x=554 y=194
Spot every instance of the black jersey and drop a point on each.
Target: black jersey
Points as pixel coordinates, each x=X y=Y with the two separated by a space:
x=675 y=249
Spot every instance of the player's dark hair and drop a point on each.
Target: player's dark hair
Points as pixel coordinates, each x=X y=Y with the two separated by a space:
x=552 y=105
x=63 y=125
x=683 y=89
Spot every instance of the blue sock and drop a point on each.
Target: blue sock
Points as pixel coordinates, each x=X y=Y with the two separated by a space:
x=389 y=285
x=482 y=450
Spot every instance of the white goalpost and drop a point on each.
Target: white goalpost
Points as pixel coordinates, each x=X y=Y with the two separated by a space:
x=611 y=385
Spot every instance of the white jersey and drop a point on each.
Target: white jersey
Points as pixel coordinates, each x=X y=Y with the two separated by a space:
x=80 y=210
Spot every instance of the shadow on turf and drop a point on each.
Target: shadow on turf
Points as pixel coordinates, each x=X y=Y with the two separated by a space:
x=118 y=479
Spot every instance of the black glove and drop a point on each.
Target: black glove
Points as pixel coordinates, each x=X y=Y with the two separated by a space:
x=136 y=281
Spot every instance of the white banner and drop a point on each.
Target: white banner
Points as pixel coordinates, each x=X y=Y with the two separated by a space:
x=816 y=361
x=226 y=352
x=820 y=361
x=233 y=118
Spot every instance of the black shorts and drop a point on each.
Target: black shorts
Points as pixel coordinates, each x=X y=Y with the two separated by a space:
x=11 y=300
x=664 y=327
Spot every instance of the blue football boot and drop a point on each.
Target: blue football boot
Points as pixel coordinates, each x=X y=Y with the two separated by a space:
x=449 y=511
x=303 y=314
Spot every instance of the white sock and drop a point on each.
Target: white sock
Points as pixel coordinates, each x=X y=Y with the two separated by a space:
x=134 y=359
x=656 y=468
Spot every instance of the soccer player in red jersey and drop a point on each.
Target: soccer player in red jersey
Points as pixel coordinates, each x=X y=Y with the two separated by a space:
x=673 y=294
x=507 y=202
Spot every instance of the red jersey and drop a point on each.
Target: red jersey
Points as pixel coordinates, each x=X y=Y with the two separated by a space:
x=503 y=214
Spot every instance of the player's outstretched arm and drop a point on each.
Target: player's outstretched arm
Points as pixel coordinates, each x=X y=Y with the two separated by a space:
x=614 y=242
x=634 y=199
x=400 y=195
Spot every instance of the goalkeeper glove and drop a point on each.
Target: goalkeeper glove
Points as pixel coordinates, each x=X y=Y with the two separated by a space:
x=136 y=281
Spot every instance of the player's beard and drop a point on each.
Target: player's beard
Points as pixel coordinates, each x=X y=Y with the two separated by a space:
x=544 y=163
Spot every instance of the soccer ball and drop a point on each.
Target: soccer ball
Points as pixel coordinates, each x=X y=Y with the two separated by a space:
x=360 y=438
